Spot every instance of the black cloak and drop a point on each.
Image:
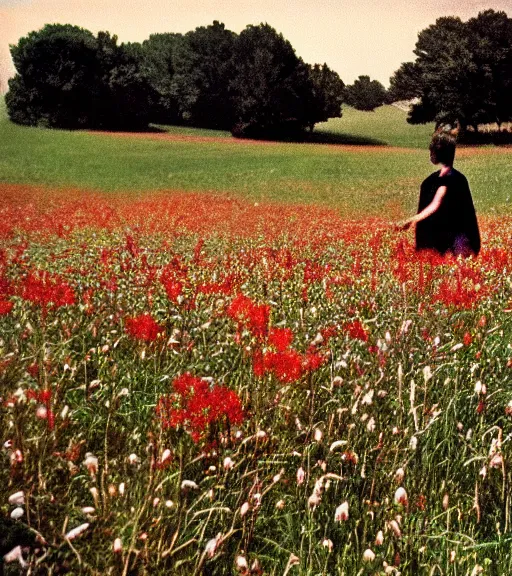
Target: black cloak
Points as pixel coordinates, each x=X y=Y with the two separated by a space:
x=453 y=227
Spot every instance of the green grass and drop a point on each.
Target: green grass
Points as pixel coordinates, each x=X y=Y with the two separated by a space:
x=365 y=181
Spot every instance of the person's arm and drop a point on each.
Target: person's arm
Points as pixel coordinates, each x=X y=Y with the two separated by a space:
x=426 y=212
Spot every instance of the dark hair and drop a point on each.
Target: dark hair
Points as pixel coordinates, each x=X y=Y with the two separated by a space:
x=442 y=148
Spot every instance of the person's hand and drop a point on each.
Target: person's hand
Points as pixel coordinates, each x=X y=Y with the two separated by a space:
x=403 y=225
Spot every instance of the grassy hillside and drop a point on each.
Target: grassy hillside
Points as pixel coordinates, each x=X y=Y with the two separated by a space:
x=364 y=179
x=386 y=124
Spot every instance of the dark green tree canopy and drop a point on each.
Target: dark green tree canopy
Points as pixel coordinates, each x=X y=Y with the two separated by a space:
x=462 y=73
x=328 y=92
x=204 y=67
x=58 y=77
x=365 y=94
x=253 y=84
x=158 y=68
x=271 y=87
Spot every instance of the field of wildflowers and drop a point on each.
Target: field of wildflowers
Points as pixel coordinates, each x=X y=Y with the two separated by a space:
x=198 y=385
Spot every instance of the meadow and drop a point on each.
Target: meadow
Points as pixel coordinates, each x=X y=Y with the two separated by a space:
x=217 y=357
x=363 y=179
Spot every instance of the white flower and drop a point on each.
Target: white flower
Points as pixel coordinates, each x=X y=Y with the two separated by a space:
x=241 y=564
x=496 y=461
x=341 y=512
x=17 y=513
x=318 y=435
x=337 y=381
x=379 y=539
x=41 y=412
x=91 y=463
x=280 y=504
x=133 y=459
x=17 y=499
x=15 y=554
x=244 y=509
x=300 y=476
x=401 y=497
x=189 y=485
x=72 y=534
x=314 y=500
x=371 y=425
x=166 y=454
x=88 y=510
x=395 y=528
x=369 y=555
x=399 y=475
x=413 y=443
x=117 y=546
x=228 y=463
x=211 y=545
x=327 y=543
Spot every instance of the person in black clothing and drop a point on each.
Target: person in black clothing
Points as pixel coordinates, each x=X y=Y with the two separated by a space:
x=446 y=219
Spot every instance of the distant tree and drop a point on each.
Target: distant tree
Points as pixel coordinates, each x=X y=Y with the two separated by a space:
x=57 y=79
x=405 y=83
x=365 y=94
x=271 y=88
x=203 y=70
x=328 y=92
x=462 y=73
x=158 y=68
x=490 y=36
x=129 y=94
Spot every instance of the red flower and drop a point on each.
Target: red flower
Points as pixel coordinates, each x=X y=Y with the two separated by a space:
x=357 y=331
x=280 y=338
x=254 y=317
x=258 y=365
x=143 y=327
x=47 y=290
x=5 y=307
x=286 y=366
x=195 y=405
x=173 y=289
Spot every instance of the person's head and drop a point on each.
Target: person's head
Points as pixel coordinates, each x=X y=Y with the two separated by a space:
x=442 y=148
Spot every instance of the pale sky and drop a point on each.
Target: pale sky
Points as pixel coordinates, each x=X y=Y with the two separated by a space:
x=353 y=37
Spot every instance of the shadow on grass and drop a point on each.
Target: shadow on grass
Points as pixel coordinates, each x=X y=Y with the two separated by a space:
x=503 y=138
x=316 y=138
x=321 y=137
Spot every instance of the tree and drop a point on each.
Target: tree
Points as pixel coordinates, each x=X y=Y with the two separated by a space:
x=57 y=78
x=67 y=78
x=128 y=93
x=271 y=88
x=462 y=73
x=328 y=92
x=365 y=94
x=405 y=83
x=203 y=70
x=158 y=68
x=490 y=36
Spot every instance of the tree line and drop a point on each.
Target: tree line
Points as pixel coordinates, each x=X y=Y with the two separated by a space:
x=462 y=74
x=252 y=83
